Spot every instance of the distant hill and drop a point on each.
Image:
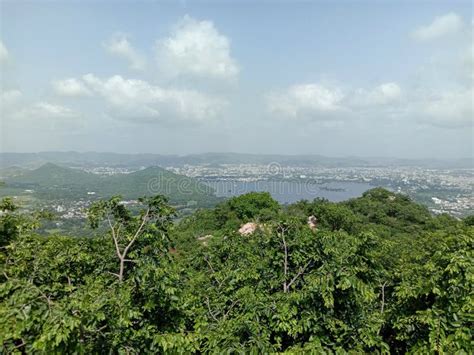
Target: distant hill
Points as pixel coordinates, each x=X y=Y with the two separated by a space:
x=52 y=175
x=11 y=171
x=34 y=160
x=51 y=181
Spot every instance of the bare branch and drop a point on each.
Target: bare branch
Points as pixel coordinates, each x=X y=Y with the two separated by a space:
x=382 y=287
x=130 y=261
x=230 y=308
x=285 y=263
x=113 y=273
x=114 y=237
x=300 y=272
x=139 y=230
x=21 y=345
x=213 y=271
x=209 y=308
x=48 y=299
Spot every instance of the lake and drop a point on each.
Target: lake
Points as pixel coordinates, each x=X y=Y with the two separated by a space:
x=289 y=191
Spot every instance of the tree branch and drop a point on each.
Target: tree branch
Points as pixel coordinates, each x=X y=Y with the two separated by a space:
x=209 y=308
x=114 y=237
x=230 y=308
x=213 y=271
x=300 y=272
x=113 y=273
x=285 y=263
x=382 y=306
x=139 y=230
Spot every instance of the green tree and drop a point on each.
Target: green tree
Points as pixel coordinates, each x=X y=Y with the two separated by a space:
x=152 y=222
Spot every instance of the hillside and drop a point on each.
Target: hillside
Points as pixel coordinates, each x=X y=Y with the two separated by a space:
x=372 y=275
x=156 y=180
x=52 y=175
x=51 y=182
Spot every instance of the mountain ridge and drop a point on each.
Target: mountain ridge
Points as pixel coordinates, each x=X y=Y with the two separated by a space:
x=149 y=159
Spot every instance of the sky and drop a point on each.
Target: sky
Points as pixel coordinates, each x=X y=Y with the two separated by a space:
x=336 y=78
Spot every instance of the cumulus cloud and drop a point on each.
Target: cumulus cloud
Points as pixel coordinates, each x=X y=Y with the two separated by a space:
x=440 y=27
x=196 y=48
x=449 y=109
x=3 y=52
x=70 y=87
x=383 y=94
x=44 y=111
x=317 y=102
x=52 y=110
x=8 y=98
x=138 y=100
x=120 y=46
x=305 y=100
x=44 y=114
x=387 y=101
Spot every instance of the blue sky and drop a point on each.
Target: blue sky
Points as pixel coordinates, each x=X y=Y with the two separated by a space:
x=367 y=78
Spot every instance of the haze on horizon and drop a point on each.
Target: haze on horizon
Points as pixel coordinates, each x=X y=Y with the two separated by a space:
x=361 y=78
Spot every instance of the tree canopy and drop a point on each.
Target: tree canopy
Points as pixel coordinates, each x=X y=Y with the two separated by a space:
x=374 y=274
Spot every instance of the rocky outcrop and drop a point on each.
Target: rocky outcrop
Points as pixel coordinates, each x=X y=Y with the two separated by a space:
x=312 y=222
x=248 y=228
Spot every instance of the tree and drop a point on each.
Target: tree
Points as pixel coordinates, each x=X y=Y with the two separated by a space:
x=58 y=294
x=364 y=281
x=13 y=222
x=152 y=221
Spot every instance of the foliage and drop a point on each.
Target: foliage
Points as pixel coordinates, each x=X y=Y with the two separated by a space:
x=13 y=223
x=378 y=274
x=53 y=182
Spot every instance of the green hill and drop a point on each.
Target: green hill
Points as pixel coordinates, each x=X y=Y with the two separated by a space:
x=155 y=180
x=51 y=182
x=52 y=175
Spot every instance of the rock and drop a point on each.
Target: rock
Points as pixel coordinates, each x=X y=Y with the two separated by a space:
x=204 y=239
x=248 y=228
x=312 y=222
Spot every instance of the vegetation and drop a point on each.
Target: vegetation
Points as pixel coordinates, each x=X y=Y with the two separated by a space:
x=53 y=182
x=375 y=274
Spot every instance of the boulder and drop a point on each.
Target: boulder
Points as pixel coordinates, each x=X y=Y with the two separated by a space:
x=248 y=228
x=312 y=222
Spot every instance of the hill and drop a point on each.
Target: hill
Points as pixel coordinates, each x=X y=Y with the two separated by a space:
x=51 y=182
x=34 y=160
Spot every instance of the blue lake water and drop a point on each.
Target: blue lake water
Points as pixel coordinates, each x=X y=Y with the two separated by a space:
x=289 y=192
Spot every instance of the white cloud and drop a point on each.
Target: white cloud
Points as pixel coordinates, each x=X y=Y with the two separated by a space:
x=196 y=48
x=138 y=100
x=383 y=94
x=305 y=100
x=3 y=52
x=70 y=87
x=8 y=98
x=52 y=110
x=120 y=46
x=47 y=111
x=317 y=102
x=44 y=114
x=449 y=109
x=441 y=26
x=386 y=102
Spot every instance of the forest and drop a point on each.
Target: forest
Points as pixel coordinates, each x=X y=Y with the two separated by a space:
x=374 y=274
